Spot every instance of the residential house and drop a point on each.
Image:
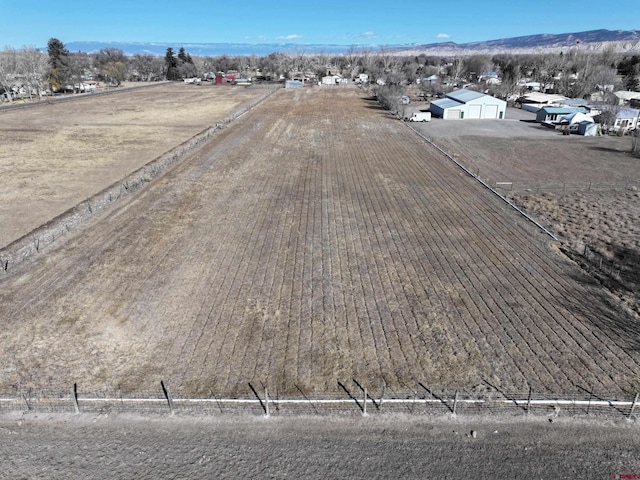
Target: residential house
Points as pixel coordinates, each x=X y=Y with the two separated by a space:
x=534 y=101
x=627 y=119
x=549 y=114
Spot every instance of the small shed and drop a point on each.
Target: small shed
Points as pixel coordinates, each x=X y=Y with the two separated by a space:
x=331 y=80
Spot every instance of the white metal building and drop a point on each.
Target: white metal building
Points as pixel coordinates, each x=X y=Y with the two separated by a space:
x=465 y=104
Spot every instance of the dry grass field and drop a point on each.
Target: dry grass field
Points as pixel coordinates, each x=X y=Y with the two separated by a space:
x=313 y=241
x=53 y=156
x=586 y=190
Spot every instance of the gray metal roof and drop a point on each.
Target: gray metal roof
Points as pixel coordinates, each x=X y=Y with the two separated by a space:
x=574 y=102
x=628 y=113
x=564 y=110
x=464 y=95
x=446 y=103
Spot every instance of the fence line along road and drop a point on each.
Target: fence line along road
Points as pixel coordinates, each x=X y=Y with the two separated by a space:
x=352 y=400
x=559 y=187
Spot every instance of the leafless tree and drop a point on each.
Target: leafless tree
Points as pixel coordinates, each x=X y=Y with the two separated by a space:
x=367 y=59
x=457 y=68
x=79 y=65
x=8 y=71
x=546 y=69
x=387 y=60
x=609 y=108
x=146 y=67
x=33 y=65
x=353 y=57
x=389 y=97
x=476 y=65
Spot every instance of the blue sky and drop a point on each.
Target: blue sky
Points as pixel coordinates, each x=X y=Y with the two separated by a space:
x=344 y=22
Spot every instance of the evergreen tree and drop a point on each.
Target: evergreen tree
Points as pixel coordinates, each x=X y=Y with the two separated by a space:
x=171 y=65
x=58 y=63
x=182 y=55
x=630 y=80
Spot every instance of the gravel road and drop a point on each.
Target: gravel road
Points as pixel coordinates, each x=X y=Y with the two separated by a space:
x=86 y=446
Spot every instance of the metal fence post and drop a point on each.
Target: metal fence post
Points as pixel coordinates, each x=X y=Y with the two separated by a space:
x=455 y=402
x=74 y=394
x=364 y=403
x=633 y=405
x=167 y=395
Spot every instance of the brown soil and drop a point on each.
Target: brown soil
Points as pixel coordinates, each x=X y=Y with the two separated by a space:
x=583 y=189
x=313 y=241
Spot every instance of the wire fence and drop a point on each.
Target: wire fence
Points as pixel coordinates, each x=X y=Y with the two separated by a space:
x=351 y=399
x=560 y=187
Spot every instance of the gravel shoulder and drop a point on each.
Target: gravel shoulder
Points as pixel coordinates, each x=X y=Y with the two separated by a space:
x=66 y=446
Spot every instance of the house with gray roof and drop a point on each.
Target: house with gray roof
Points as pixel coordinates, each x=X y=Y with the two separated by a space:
x=468 y=104
x=553 y=114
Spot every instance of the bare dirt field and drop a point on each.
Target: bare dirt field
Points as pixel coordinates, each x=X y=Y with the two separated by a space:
x=54 y=155
x=313 y=241
x=586 y=190
x=62 y=447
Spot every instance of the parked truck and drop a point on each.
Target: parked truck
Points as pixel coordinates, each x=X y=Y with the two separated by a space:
x=420 y=117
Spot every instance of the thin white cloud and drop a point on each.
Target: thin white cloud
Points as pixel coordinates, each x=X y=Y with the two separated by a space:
x=293 y=36
x=366 y=35
x=444 y=35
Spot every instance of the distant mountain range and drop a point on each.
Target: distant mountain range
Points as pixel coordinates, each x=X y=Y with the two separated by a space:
x=212 y=49
x=593 y=40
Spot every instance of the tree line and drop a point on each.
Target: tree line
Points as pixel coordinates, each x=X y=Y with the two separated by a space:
x=574 y=73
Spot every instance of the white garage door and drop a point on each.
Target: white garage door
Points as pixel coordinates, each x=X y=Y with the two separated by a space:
x=490 y=111
x=474 y=111
x=452 y=114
